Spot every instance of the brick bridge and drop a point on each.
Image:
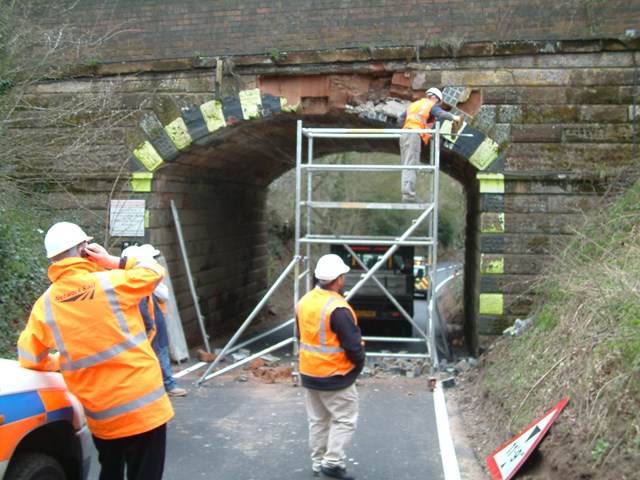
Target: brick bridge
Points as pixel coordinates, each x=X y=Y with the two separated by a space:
x=210 y=92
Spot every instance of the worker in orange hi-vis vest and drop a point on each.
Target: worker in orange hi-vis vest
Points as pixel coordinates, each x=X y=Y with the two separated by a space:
x=90 y=315
x=420 y=115
x=331 y=357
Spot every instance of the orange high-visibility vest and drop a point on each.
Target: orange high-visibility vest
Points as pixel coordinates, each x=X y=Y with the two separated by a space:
x=320 y=353
x=417 y=115
x=91 y=317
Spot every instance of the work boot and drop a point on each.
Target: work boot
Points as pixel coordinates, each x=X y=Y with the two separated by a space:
x=336 y=472
x=411 y=199
x=177 y=392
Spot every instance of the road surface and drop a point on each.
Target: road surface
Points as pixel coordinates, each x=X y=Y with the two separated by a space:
x=234 y=427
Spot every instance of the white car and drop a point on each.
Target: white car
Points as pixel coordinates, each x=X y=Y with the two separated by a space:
x=43 y=431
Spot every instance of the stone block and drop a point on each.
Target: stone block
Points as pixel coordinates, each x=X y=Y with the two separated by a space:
x=492 y=202
x=492 y=243
x=507 y=284
x=159 y=138
x=196 y=124
x=467 y=146
x=492 y=222
x=536 y=133
x=492 y=325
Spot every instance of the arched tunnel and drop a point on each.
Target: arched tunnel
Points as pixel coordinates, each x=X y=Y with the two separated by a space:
x=220 y=185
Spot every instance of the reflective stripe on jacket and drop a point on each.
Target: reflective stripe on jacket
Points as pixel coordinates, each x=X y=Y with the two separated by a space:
x=91 y=317
x=320 y=351
x=417 y=116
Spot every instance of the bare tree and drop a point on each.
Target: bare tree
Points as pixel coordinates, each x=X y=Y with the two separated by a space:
x=50 y=138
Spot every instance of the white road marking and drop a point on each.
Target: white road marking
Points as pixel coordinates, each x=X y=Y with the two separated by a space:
x=447 y=452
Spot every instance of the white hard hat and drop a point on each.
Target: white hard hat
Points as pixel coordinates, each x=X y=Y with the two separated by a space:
x=148 y=251
x=131 y=251
x=435 y=91
x=62 y=236
x=330 y=267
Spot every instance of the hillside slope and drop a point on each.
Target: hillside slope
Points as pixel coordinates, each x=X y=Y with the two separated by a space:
x=584 y=344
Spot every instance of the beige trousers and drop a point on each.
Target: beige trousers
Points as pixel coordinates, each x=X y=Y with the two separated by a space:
x=410 y=147
x=333 y=416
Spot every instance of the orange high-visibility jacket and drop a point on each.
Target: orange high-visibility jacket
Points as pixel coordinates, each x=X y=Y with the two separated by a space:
x=417 y=116
x=91 y=317
x=320 y=353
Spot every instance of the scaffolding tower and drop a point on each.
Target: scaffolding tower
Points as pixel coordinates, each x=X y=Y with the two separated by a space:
x=426 y=216
x=306 y=207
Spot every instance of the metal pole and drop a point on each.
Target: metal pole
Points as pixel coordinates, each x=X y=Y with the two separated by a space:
x=192 y=287
x=309 y=278
x=249 y=319
x=434 y=260
x=296 y=275
x=247 y=360
x=199 y=365
x=391 y=251
x=386 y=292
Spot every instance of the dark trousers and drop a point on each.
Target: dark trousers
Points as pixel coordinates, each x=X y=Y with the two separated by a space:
x=142 y=455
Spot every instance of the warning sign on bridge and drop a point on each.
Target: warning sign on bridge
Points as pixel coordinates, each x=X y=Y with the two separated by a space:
x=505 y=462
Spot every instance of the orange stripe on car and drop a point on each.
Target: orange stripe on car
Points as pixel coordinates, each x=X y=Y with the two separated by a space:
x=12 y=433
x=54 y=399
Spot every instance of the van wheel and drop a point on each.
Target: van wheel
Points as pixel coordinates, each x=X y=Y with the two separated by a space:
x=34 y=466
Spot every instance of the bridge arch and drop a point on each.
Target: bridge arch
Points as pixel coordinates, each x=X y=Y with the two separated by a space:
x=246 y=141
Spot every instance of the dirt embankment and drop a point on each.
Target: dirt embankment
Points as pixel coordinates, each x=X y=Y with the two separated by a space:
x=479 y=421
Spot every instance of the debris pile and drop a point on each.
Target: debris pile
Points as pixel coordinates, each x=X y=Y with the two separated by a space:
x=271 y=369
x=387 y=111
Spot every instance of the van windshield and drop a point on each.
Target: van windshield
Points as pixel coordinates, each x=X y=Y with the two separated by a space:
x=400 y=261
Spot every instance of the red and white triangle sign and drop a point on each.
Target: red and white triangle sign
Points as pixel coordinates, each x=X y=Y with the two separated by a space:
x=505 y=462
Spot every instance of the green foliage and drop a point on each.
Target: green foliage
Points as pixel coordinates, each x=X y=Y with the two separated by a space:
x=629 y=342
x=280 y=234
x=547 y=319
x=601 y=447
x=5 y=85
x=367 y=187
x=446 y=231
x=23 y=265
x=276 y=55
x=586 y=344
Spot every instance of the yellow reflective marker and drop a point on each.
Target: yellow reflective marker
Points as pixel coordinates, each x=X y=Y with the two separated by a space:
x=179 y=134
x=141 y=182
x=491 y=265
x=213 y=116
x=485 y=155
x=491 y=182
x=491 y=303
x=148 y=156
x=251 y=103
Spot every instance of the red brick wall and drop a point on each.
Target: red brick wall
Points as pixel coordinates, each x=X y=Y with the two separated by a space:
x=160 y=29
